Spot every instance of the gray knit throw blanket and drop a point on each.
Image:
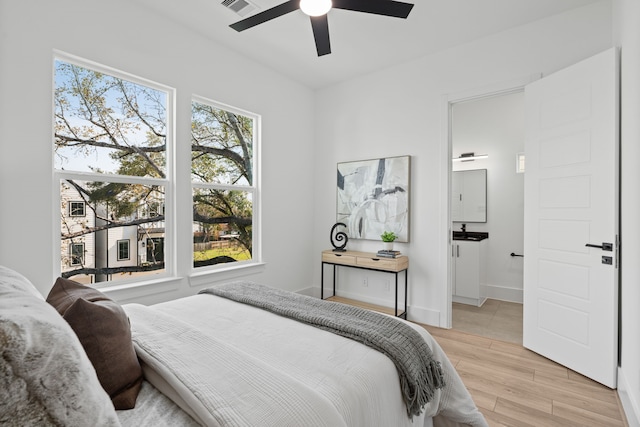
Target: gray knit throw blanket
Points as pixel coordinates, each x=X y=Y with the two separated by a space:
x=420 y=374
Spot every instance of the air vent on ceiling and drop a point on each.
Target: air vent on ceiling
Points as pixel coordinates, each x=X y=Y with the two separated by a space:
x=241 y=7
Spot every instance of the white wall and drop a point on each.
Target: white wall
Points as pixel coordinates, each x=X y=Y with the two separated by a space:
x=495 y=126
x=123 y=35
x=392 y=112
x=627 y=35
x=398 y=111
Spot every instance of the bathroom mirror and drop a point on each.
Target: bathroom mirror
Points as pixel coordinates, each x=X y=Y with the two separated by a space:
x=469 y=196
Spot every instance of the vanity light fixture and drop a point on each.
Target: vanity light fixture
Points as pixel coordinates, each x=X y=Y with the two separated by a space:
x=469 y=157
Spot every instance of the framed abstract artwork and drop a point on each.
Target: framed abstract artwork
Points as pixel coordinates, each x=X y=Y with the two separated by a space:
x=373 y=197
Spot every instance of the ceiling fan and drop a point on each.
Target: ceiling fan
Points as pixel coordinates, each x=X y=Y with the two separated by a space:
x=317 y=11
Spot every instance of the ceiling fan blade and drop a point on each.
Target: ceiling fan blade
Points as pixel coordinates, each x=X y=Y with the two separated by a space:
x=267 y=15
x=320 y=26
x=392 y=8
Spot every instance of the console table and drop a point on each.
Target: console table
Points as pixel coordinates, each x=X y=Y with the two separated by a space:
x=367 y=261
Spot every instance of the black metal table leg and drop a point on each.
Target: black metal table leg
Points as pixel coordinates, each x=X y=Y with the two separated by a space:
x=406 y=280
x=322 y=280
x=334 y=280
x=396 y=298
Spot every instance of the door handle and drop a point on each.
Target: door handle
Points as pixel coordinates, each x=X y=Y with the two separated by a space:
x=605 y=246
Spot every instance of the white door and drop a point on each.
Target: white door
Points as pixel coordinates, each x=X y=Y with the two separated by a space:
x=571 y=201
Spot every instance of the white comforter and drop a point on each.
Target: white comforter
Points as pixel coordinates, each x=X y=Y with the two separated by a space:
x=229 y=364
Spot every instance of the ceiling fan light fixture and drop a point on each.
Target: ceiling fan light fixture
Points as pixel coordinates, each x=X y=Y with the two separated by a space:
x=315 y=7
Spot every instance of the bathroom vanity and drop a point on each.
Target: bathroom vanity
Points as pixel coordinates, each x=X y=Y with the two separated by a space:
x=469 y=254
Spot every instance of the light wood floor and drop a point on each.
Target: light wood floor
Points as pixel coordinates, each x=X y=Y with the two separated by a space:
x=495 y=319
x=513 y=386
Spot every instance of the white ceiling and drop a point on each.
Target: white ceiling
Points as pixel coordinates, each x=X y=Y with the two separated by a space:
x=360 y=42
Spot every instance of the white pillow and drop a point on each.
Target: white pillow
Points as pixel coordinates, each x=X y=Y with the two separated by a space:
x=12 y=279
x=46 y=377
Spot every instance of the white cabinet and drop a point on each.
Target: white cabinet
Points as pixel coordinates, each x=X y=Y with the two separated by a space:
x=470 y=271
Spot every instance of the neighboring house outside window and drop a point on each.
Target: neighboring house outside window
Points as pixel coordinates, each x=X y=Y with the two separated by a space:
x=73 y=227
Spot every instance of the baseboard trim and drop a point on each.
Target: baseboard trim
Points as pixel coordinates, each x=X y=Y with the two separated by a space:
x=631 y=410
x=505 y=294
x=310 y=291
x=423 y=315
x=414 y=314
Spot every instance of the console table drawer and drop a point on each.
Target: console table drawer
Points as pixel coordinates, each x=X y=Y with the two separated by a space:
x=336 y=258
x=390 y=264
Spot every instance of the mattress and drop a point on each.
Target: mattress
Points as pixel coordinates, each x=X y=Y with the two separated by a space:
x=227 y=363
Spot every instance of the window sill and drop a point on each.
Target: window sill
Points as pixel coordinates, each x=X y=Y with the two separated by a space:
x=210 y=277
x=135 y=291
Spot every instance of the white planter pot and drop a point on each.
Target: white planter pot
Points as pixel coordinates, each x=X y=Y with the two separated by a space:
x=387 y=246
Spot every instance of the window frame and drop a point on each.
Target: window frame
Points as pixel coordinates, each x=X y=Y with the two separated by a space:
x=118 y=243
x=71 y=209
x=178 y=180
x=253 y=188
x=72 y=257
x=168 y=182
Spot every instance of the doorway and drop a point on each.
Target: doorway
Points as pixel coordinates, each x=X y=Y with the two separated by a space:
x=571 y=190
x=487 y=134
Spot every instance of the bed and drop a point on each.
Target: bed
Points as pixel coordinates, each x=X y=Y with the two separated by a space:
x=217 y=359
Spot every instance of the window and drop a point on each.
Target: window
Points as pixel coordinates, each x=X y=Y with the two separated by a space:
x=152 y=209
x=223 y=176
x=113 y=160
x=76 y=209
x=76 y=254
x=123 y=250
x=112 y=146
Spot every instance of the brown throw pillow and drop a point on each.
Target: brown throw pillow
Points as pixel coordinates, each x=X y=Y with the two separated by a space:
x=104 y=331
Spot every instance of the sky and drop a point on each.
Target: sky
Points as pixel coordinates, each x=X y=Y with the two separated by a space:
x=72 y=159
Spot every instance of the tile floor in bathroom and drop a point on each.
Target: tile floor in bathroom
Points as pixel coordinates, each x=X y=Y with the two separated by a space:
x=496 y=319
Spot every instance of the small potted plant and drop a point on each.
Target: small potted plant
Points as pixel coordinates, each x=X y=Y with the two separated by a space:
x=388 y=237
